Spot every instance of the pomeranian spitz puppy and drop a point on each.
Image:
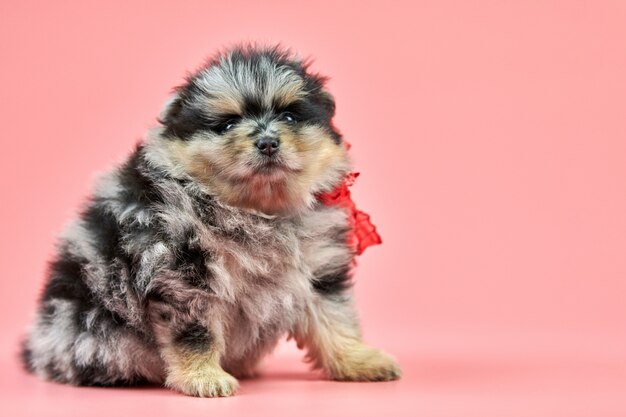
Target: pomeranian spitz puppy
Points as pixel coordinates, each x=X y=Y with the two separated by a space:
x=209 y=243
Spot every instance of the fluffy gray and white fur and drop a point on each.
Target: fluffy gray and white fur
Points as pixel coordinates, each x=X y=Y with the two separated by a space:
x=207 y=244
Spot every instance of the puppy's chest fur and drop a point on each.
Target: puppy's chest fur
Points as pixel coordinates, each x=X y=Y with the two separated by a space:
x=258 y=273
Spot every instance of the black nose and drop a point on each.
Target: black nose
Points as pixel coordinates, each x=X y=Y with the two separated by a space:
x=267 y=145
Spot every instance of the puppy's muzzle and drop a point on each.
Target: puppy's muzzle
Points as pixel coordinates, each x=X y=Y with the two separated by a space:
x=268 y=145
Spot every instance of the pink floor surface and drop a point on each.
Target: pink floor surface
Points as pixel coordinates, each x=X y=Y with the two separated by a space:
x=445 y=374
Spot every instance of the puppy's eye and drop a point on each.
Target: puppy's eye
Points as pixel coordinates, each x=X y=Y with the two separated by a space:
x=230 y=124
x=288 y=117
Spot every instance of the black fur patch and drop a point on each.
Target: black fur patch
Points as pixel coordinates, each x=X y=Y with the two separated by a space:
x=165 y=316
x=204 y=207
x=97 y=375
x=195 y=338
x=333 y=283
x=253 y=106
x=200 y=281
x=191 y=262
x=26 y=356
x=103 y=228
x=156 y=296
x=183 y=119
x=138 y=182
x=309 y=110
x=66 y=282
x=191 y=259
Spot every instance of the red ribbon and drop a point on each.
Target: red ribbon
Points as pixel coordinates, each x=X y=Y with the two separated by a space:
x=364 y=233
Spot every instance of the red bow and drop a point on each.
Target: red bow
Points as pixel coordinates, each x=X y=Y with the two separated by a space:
x=364 y=233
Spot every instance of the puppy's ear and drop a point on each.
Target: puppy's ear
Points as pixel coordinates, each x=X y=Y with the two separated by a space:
x=171 y=106
x=170 y=114
x=327 y=103
x=180 y=119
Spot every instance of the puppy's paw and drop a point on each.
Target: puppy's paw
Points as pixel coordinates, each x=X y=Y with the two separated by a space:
x=213 y=382
x=364 y=363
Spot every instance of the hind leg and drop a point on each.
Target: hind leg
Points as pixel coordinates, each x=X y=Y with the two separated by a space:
x=78 y=346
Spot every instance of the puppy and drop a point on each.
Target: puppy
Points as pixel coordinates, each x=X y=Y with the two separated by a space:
x=209 y=243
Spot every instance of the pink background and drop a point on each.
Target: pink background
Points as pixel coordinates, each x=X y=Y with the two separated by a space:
x=491 y=137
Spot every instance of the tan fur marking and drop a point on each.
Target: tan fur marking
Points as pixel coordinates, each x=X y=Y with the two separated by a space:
x=323 y=152
x=223 y=103
x=196 y=374
x=289 y=92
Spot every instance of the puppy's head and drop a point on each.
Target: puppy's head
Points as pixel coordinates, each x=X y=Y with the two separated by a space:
x=253 y=126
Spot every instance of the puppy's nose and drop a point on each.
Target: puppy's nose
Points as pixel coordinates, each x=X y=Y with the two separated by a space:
x=267 y=145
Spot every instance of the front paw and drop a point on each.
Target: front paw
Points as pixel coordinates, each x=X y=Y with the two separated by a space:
x=212 y=382
x=363 y=363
